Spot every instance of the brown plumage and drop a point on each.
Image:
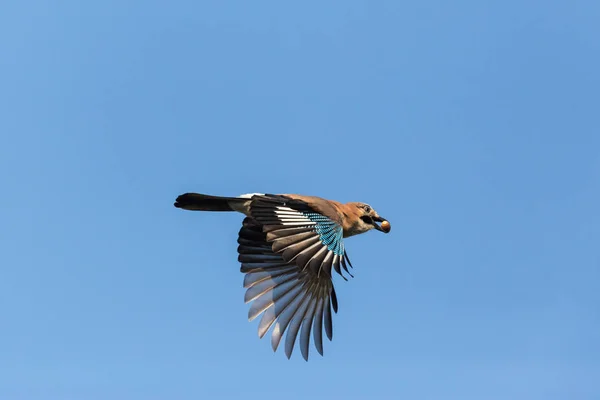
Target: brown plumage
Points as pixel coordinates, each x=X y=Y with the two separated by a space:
x=288 y=246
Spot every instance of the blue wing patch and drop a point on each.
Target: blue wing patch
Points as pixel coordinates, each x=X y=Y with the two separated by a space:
x=331 y=234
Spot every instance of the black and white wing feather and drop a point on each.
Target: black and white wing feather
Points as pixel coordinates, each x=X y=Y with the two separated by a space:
x=287 y=251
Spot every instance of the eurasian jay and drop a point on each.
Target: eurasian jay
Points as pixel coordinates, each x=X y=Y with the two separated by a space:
x=288 y=246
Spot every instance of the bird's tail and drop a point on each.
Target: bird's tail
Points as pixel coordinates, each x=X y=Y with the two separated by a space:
x=204 y=202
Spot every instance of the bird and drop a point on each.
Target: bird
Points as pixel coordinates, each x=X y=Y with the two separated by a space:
x=288 y=246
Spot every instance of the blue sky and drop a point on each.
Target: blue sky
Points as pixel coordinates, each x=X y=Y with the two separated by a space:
x=472 y=126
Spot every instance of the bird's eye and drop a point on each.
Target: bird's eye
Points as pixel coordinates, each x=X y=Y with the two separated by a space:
x=367 y=209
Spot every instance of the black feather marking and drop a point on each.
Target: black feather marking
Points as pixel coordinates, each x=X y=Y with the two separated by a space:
x=327 y=319
x=343 y=260
x=325 y=266
x=283 y=243
x=334 y=301
x=306 y=328
x=245 y=258
x=251 y=234
x=302 y=251
x=246 y=249
x=295 y=324
x=276 y=233
x=315 y=262
x=271 y=222
x=318 y=325
x=248 y=242
x=336 y=265
x=307 y=255
x=348 y=260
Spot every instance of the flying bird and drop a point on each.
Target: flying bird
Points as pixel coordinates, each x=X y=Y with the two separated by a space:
x=288 y=246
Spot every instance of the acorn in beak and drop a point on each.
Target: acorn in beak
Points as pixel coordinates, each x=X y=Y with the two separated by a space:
x=385 y=226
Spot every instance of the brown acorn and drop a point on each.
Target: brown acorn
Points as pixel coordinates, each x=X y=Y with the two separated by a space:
x=386 y=226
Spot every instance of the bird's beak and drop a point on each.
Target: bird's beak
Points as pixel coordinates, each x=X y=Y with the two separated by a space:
x=385 y=226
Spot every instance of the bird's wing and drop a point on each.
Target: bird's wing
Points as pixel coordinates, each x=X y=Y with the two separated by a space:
x=288 y=250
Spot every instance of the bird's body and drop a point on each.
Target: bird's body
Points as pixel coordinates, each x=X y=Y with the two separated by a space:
x=288 y=246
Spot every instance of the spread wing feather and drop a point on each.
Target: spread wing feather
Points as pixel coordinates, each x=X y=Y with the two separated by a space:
x=288 y=250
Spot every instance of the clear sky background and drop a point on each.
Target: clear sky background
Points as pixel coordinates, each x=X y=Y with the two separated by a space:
x=473 y=126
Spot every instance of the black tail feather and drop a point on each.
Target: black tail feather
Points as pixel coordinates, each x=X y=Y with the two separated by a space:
x=204 y=202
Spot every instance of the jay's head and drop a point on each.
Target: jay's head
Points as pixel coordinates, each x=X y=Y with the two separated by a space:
x=364 y=218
